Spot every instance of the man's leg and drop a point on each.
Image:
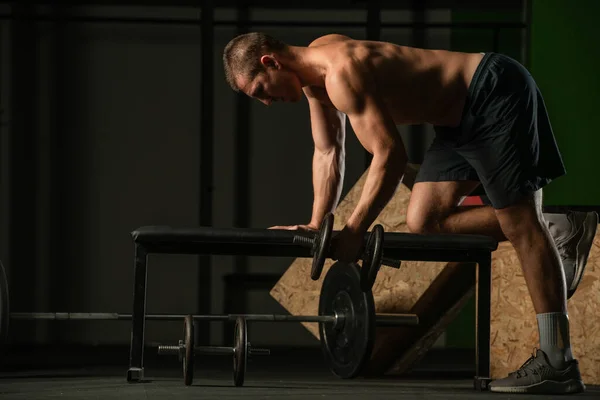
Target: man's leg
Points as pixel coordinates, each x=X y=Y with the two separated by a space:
x=523 y=224
x=506 y=139
x=552 y=369
x=434 y=208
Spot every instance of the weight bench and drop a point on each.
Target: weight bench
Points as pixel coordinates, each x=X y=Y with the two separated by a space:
x=280 y=243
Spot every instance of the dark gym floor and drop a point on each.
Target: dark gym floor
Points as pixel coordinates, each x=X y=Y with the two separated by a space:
x=293 y=374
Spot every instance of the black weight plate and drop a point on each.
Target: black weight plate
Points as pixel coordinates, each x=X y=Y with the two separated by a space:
x=240 y=354
x=372 y=258
x=347 y=345
x=4 y=306
x=188 y=360
x=321 y=246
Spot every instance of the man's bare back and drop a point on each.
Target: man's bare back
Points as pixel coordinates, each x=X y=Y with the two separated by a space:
x=417 y=85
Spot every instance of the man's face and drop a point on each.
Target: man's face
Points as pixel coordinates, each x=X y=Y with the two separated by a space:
x=273 y=84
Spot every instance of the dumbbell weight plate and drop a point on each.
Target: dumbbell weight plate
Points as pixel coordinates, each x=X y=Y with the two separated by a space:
x=4 y=308
x=240 y=345
x=188 y=360
x=372 y=258
x=321 y=246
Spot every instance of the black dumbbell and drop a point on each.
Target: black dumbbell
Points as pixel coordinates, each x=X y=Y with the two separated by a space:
x=373 y=259
x=372 y=255
x=319 y=244
x=186 y=351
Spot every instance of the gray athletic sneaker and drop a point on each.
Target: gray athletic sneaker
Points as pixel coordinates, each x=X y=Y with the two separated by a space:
x=538 y=376
x=573 y=235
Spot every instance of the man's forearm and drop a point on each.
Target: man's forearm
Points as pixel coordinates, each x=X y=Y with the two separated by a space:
x=385 y=174
x=328 y=176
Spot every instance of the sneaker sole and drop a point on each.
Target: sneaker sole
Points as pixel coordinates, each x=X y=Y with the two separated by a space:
x=545 y=387
x=590 y=225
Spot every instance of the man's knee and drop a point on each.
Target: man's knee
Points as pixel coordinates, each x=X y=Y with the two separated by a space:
x=521 y=232
x=432 y=202
x=422 y=222
x=523 y=221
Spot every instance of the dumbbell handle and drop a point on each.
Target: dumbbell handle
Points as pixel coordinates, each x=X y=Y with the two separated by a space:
x=210 y=350
x=216 y=350
x=308 y=242
x=305 y=241
x=258 y=352
x=225 y=351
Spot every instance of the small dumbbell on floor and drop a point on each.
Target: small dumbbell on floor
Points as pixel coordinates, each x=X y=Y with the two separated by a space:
x=186 y=351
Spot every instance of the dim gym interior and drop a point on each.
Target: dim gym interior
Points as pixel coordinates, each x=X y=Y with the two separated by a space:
x=347 y=198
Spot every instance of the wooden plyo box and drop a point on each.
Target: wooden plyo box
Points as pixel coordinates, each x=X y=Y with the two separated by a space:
x=438 y=291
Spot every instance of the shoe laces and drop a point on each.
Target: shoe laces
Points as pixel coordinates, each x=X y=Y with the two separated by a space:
x=564 y=244
x=531 y=366
x=564 y=249
x=561 y=245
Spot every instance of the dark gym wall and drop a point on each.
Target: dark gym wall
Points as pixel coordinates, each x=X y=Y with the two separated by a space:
x=564 y=60
x=131 y=103
x=5 y=111
x=130 y=98
x=126 y=109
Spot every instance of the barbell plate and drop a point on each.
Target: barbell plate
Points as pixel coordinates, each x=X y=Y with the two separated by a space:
x=348 y=346
x=188 y=360
x=240 y=343
x=4 y=306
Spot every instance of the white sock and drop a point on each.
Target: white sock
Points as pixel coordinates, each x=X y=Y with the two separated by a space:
x=554 y=338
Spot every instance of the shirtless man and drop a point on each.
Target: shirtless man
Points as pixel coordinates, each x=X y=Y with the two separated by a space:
x=491 y=129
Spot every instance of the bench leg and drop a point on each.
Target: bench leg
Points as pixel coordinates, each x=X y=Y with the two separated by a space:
x=483 y=322
x=138 y=317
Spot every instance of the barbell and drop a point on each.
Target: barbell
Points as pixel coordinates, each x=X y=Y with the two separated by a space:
x=347 y=319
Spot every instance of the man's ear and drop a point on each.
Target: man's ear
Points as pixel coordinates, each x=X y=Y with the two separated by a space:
x=269 y=61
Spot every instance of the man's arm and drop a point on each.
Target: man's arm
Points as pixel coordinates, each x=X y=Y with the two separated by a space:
x=328 y=127
x=354 y=92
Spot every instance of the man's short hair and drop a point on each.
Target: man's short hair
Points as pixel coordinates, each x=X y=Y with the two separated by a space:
x=242 y=55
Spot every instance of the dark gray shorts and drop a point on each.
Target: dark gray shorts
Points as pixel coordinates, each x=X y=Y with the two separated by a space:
x=504 y=140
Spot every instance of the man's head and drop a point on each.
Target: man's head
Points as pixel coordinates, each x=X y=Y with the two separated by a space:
x=253 y=64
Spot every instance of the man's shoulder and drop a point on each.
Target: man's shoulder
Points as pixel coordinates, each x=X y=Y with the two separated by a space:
x=328 y=39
